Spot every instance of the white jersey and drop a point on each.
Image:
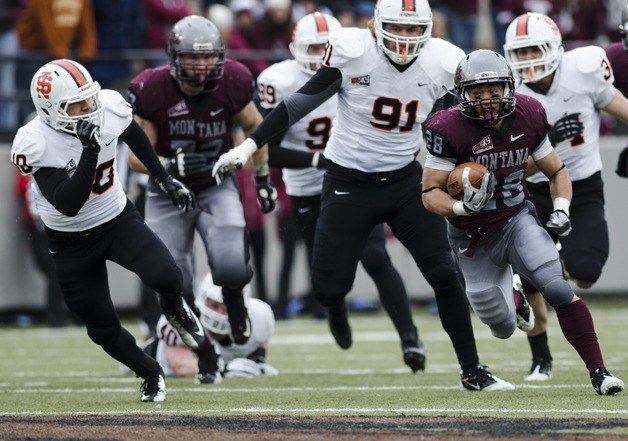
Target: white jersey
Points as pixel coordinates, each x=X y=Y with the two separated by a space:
x=262 y=328
x=38 y=145
x=309 y=134
x=582 y=83
x=380 y=110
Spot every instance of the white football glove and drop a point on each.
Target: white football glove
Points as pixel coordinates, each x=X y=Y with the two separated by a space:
x=559 y=222
x=234 y=158
x=268 y=370
x=243 y=368
x=475 y=199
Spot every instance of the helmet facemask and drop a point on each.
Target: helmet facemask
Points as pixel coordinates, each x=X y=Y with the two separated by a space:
x=402 y=49
x=312 y=30
x=57 y=85
x=195 y=35
x=538 y=31
x=480 y=68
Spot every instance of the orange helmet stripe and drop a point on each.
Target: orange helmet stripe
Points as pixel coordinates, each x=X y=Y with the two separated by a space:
x=408 y=5
x=522 y=25
x=321 y=23
x=73 y=70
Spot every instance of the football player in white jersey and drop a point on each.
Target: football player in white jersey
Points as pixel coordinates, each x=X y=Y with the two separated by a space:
x=573 y=87
x=304 y=143
x=388 y=78
x=70 y=150
x=232 y=360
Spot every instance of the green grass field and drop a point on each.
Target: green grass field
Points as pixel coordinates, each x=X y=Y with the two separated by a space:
x=50 y=372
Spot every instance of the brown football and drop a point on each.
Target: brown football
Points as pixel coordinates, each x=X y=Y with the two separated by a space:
x=454 y=182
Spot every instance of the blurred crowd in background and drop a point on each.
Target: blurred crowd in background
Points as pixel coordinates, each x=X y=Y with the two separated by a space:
x=117 y=38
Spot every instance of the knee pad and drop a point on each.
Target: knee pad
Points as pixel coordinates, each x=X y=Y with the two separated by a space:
x=374 y=259
x=329 y=291
x=103 y=335
x=557 y=292
x=440 y=271
x=490 y=305
x=229 y=257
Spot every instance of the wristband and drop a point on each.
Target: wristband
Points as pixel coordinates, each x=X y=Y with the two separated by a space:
x=563 y=204
x=459 y=209
x=261 y=169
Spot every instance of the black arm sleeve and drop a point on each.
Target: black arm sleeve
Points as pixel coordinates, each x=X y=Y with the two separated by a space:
x=322 y=86
x=68 y=194
x=288 y=158
x=140 y=145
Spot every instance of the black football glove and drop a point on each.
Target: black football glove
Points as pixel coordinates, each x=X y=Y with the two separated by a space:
x=186 y=164
x=622 y=164
x=89 y=134
x=181 y=196
x=569 y=126
x=266 y=193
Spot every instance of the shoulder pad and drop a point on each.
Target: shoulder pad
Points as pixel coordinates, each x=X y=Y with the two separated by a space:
x=448 y=54
x=281 y=76
x=588 y=58
x=28 y=149
x=118 y=112
x=348 y=44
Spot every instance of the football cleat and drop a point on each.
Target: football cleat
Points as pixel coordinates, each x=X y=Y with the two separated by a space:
x=187 y=325
x=339 y=326
x=208 y=378
x=541 y=370
x=481 y=379
x=413 y=351
x=525 y=315
x=153 y=387
x=605 y=383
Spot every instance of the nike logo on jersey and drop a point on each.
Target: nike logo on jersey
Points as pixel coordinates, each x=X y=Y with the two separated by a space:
x=462 y=250
x=107 y=143
x=340 y=193
x=215 y=112
x=567 y=99
x=422 y=84
x=514 y=138
x=51 y=252
x=304 y=209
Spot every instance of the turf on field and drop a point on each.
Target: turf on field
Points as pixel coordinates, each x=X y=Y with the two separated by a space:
x=51 y=379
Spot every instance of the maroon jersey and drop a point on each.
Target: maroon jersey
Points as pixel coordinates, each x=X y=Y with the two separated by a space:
x=618 y=58
x=201 y=123
x=504 y=151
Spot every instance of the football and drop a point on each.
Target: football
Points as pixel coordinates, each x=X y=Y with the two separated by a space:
x=454 y=181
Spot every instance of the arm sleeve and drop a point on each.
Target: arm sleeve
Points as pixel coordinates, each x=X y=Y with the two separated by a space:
x=68 y=194
x=140 y=145
x=322 y=86
x=288 y=158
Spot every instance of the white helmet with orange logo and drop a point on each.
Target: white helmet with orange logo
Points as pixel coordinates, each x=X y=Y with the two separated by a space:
x=402 y=12
x=533 y=30
x=59 y=83
x=312 y=29
x=212 y=320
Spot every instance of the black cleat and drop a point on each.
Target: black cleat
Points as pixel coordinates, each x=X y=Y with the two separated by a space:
x=187 y=325
x=414 y=357
x=153 y=387
x=605 y=383
x=481 y=379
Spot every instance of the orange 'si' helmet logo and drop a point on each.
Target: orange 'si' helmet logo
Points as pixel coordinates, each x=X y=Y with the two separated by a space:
x=44 y=85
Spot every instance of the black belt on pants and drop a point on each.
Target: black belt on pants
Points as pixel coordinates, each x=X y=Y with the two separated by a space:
x=387 y=176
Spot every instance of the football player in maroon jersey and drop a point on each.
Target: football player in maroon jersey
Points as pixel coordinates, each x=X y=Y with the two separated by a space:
x=494 y=229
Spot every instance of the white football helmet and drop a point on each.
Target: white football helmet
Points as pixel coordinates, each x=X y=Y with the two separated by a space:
x=312 y=29
x=60 y=83
x=528 y=30
x=211 y=319
x=406 y=12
